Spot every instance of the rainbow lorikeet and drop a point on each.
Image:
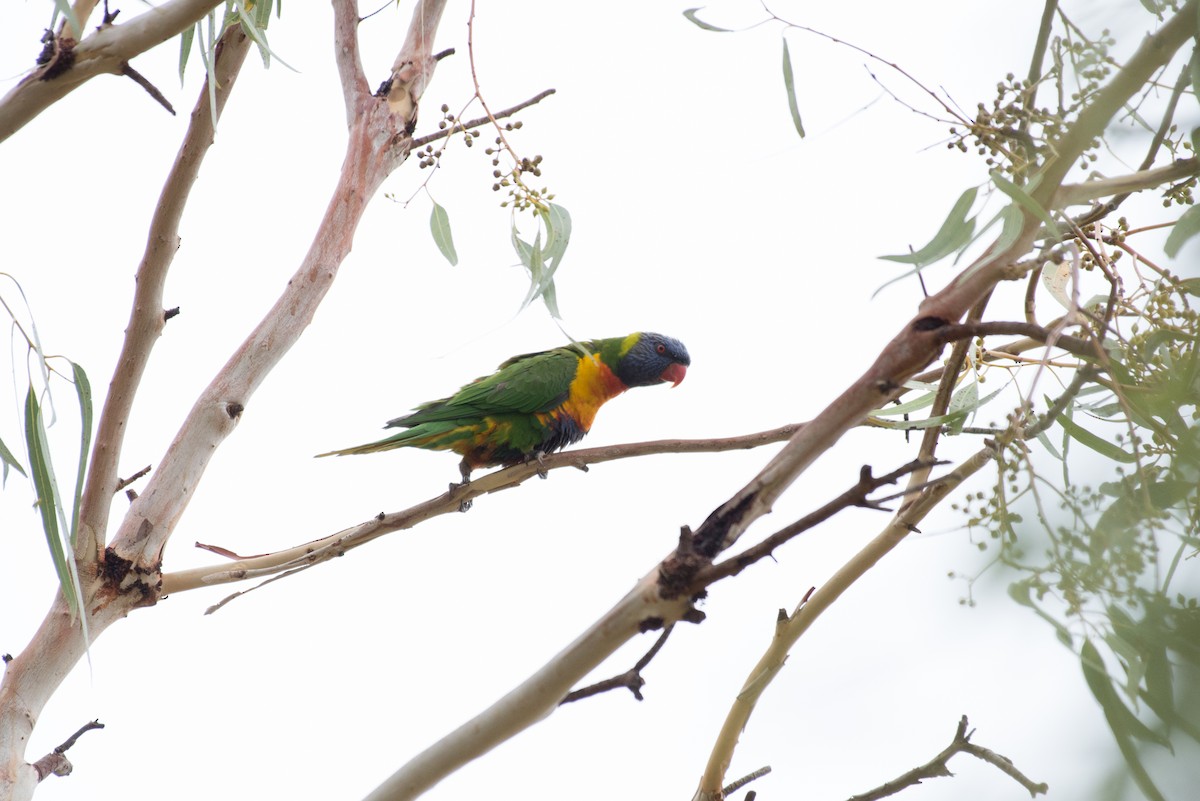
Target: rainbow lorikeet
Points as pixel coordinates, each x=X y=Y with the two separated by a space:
x=535 y=403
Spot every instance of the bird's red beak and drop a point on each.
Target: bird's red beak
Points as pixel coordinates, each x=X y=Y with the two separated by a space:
x=674 y=374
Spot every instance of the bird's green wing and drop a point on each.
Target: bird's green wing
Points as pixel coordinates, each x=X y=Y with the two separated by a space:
x=526 y=384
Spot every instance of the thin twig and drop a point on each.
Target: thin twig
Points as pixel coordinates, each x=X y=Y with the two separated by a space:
x=631 y=679
x=56 y=762
x=937 y=767
x=734 y=786
x=855 y=496
x=1080 y=347
x=125 y=482
x=476 y=123
x=150 y=88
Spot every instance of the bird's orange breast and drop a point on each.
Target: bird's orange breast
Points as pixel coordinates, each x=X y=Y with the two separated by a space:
x=594 y=385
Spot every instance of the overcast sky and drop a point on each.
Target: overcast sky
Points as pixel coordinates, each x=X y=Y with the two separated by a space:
x=698 y=212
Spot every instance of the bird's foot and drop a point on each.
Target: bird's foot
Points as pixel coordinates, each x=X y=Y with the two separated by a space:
x=541 y=460
x=465 y=505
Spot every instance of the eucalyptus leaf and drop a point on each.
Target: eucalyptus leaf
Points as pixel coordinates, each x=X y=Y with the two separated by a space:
x=789 y=83
x=83 y=390
x=955 y=233
x=915 y=405
x=1012 y=223
x=690 y=13
x=1094 y=441
x=1185 y=228
x=1025 y=200
x=439 y=226
x=7 y=459
x=185 y=49
x=49 y=503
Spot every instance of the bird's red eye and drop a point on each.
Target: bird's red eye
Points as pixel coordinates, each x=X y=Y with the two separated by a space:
x=661 y=348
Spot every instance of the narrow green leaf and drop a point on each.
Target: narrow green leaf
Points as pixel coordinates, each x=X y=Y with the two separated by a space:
x=1134 y=663
x=908 y=407
x=49 y=504
x=1185 y=228
x=964 y=401
x=259 y=35
x=558 y=233
x=1049 y=446
x=439 y=225
x=956 y=232
x=1024 y=199
x=690 y=13
x=1021 y=592
x=550 y=298
x=185 y=48
x=208 y=57
x=1094 y=441
x=262 y=13
x=83 y=389
x=524 y=251
x=1123 y=723
x=789 y=83
x=7 y=458
x=65 y=9
x=1012 y=221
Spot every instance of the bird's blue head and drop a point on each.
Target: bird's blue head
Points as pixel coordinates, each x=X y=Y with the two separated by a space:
x=649 y=358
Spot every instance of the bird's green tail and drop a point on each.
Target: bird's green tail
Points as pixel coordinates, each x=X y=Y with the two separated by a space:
x=433 y=436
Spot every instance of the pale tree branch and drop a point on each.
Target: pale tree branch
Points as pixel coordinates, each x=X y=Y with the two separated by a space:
x=789 y=629
x=147 y=317
x=32 y=677
x=103 y=51
x=642 y=609
x=1088 y=191
x=454 y=500
x=378 y=142
x=348 y=58
x=918 y=343
x=128 y=575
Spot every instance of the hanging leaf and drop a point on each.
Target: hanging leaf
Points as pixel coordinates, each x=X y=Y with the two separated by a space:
x=1123 y=723
x=83 y=389
x=185 y=49
x=955 y=233
x=1056 y=278
x=439 y=225
x=789 y=84
x=1185 y=228
x=1025 y=200
x=908 y=407
x=690 y=13
x=8 y=460
x=65 y=9
x=49 y=504
x=255 y=28
x=1094 y=441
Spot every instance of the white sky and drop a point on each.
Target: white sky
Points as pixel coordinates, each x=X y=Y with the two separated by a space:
x=699 y=213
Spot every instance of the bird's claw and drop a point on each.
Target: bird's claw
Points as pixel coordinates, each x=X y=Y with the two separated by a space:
x=542 y=472
x=465 y=505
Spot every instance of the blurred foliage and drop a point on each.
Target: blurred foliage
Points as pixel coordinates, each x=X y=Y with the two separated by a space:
x=1100 y=515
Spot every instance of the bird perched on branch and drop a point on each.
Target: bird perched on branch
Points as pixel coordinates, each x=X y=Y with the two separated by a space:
x=535 y=403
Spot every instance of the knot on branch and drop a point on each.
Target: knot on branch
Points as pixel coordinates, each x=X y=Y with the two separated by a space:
x=677 y=571
x=57 y=56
